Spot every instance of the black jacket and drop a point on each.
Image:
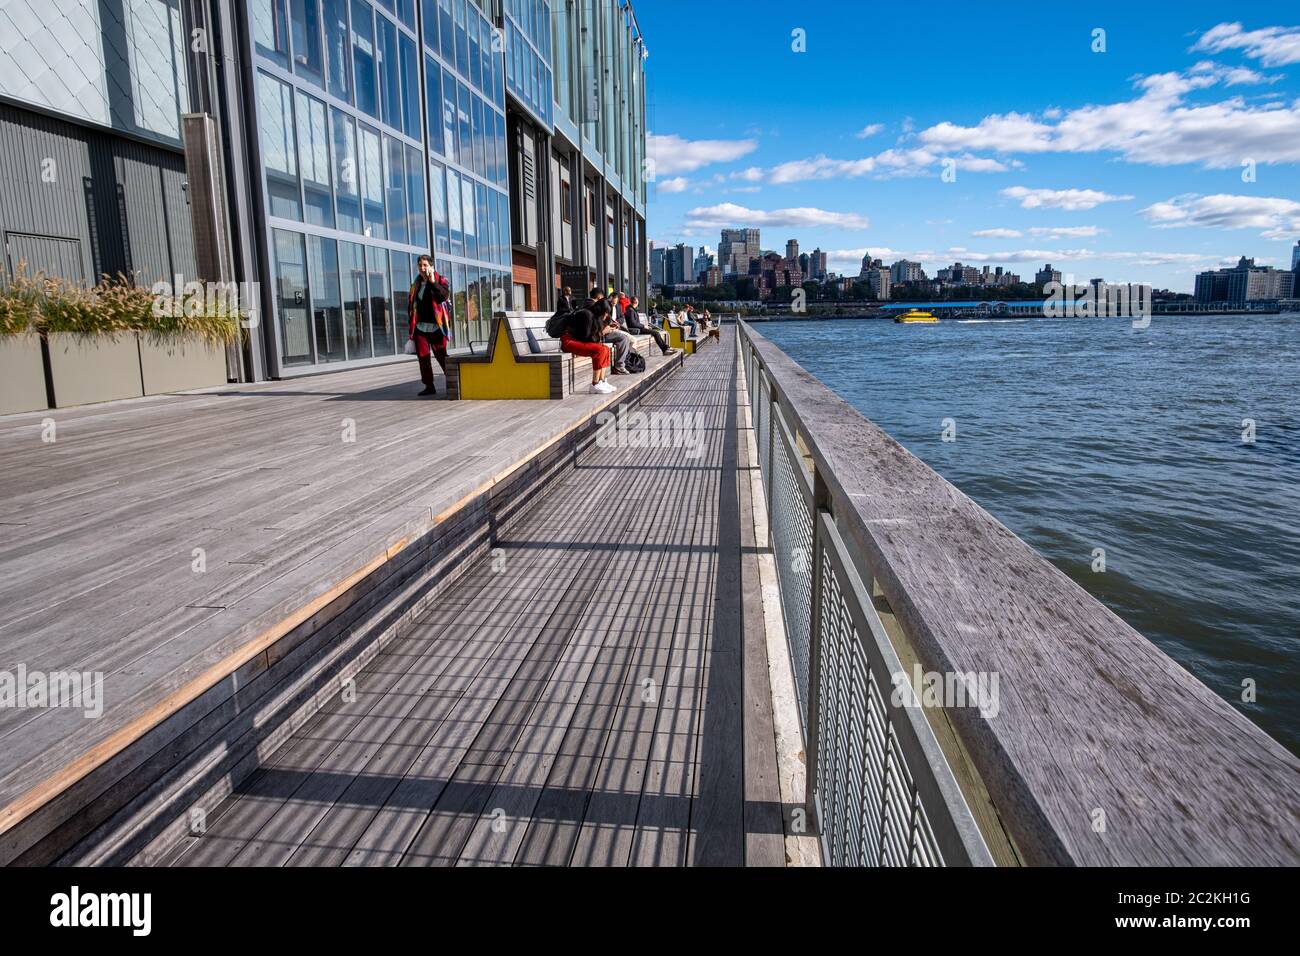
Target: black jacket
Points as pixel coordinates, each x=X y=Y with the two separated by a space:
x=583 y=326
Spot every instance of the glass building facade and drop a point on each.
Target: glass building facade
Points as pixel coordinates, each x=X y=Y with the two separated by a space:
x=382 y=134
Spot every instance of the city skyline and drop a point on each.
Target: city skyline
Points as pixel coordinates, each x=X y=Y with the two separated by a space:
x=1157 y=149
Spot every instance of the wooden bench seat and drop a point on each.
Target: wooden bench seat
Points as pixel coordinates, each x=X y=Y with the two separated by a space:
x=522 y=361
x=679 y=336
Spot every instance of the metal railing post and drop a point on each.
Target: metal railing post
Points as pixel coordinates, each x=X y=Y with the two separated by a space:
x=821 y=502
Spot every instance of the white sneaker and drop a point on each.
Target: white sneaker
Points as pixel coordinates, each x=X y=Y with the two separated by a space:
x=603 y=388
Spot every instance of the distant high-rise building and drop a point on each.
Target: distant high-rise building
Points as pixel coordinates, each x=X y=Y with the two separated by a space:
x=879 y=284
x=816 y=266
x=904 y=270
x=704 y=260
x=737 y=249
x=679 y=266
x=1295 y=256
x=658 y=262
x=1047 y=274
x=792 y=248
x=1245 y=282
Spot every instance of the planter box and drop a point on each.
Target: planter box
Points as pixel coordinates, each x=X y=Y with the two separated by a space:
x=22 y=378
x=175 y=367
x=94 y=369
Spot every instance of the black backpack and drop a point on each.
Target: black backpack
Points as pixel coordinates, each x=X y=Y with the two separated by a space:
x=635 y=361
x=555 y=324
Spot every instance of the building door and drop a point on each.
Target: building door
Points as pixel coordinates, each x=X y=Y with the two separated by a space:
x=45 y=254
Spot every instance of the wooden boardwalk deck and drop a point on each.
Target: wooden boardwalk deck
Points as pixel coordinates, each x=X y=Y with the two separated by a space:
x=155 y=541
x=595 y=692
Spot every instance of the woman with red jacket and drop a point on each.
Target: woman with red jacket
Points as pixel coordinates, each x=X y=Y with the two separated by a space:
x=430 y=320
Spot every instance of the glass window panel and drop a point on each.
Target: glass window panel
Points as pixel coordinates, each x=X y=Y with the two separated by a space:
x=395 y=183
x=271 y=30
x=454 y=213
x=417 y=228
x=465 y=151
x=471 y=29
x=347 y=195
x=433 y=102
x=473 y=305
x=462 y=40
x=327 y=307
x=445 y=270
x=446 y=32
x=390 y=94
x=468 y=223
x=381 y=316
x=314 y=160
x=279 y=151
x=386 y=4
x=476 y=120
x=410 y=88
x=438 y=207
x=356 y=324
x=337 y=72
x=458 y=300
x=372 y=183
x=406 y=11
x=308 y=61
x=291 y=297
x=430 y=23
x=402 y=279
x=449 y=127
x=363 y=57
x=485 y=56
x=480 y=220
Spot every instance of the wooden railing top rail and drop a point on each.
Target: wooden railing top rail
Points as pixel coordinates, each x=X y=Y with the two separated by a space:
x=1103 y=749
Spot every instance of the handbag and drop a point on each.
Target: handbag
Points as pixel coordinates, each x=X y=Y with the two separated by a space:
x=410 y=347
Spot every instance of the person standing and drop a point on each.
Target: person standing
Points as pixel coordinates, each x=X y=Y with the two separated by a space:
x=430 y=321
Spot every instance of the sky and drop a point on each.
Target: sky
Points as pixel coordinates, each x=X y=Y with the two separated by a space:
x=1130 y=141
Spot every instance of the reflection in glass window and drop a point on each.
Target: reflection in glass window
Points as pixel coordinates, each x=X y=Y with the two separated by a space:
x=417 y=230
x=410 y=88
x=430 y=23
x=347 y=195
x=462 y=40
x=473 y=74
x=314 y=160
x=446 y=32
x=458 y=298
x=433 y=102
x=381 y=317
x=271 y=30
x=337 y=73
x=485 y=55
x=443 y=267
x=402 y=279
x=305 y=24
x=356 y=323
x=279 y=152
x=363 y=57
x=406 y=11
x=449 y=128
x=473 y=308
x=438 y=207
x=454 y=213
x=372 y=183
x=480 y=221
x=466 y=151
x=476 y=120
x=291 y=297
x=468 y=222
x=327 y=308
x=395 y=184
x=390 y=94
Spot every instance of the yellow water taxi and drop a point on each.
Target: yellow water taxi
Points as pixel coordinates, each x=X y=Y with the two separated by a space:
x=917 y=316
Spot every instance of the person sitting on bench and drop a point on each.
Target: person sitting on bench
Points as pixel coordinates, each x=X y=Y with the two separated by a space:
x=583 y=331
x=632 y=320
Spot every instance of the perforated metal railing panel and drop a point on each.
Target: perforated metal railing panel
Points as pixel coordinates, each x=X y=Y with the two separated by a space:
x=882 y=789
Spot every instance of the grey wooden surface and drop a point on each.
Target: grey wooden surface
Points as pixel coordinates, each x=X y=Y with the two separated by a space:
x=99 y=530
x=1104 y=750
x=576 y=701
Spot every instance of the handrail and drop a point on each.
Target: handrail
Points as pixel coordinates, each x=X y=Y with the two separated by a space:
x=1098 y=748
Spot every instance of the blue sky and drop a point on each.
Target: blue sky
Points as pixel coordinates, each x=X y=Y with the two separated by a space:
x=1125 y=163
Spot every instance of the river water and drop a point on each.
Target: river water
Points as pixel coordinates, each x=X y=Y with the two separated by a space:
x=1086 y=434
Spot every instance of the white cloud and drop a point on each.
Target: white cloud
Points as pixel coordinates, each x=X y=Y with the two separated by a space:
x=1159 y=127
x=727 y=215
x=1272 y=46
x=998 y=233
x=1072 y=200
x=869 y=130
x=1050 y=232
x=754 y=174
x=1276 y=218
x=886 y=165
x=672 y=154
x=675 y=185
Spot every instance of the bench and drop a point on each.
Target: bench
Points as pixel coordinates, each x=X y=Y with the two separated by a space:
x=679 y=336
x=522 y=361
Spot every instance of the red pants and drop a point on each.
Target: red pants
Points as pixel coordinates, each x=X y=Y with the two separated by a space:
x=598 y=353
x=426 y=350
